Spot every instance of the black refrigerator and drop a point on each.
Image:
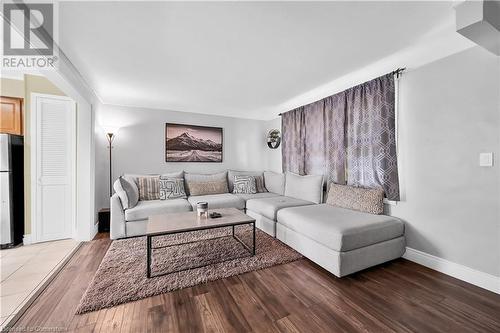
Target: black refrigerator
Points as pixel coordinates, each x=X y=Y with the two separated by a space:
x=11 y=190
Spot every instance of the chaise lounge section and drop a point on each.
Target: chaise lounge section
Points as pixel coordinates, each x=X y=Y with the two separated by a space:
x=342 y=241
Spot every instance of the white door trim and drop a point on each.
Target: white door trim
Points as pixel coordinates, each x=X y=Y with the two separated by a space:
x=35 y=236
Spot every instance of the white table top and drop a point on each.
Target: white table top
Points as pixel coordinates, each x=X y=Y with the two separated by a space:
x=189 y=221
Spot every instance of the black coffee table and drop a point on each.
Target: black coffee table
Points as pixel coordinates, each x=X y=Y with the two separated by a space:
x=175 y=223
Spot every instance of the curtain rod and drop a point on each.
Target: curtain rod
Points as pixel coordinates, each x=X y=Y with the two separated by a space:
x=396 y=72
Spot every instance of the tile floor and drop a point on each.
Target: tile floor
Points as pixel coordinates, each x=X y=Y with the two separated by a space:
x=24 y=269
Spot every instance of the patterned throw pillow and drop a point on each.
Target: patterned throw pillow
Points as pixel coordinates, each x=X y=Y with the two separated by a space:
x=171 y=188
x=244 y=185
x=149 y=188
x=368 y=200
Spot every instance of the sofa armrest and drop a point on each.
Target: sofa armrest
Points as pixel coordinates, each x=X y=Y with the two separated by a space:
x=117 y=218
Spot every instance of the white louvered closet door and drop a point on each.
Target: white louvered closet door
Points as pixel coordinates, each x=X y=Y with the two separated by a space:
x=54 y=216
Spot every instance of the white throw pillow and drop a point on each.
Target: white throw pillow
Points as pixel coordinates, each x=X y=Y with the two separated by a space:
x=171 y=188
x=274 y=182
x=309 y=188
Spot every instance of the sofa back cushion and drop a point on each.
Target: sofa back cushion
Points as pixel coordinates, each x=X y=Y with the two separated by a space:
x=309 y=188
x=202 y=184
x=368 y=200
x=135 y=176
x=259 y=179
x=274 y=182
x=171 y=188
x=149 y=188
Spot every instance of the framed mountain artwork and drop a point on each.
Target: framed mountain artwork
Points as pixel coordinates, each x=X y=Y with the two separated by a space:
x=190 y=143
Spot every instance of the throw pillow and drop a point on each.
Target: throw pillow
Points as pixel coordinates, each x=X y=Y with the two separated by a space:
x=130 y=187
x=149 y=188
x=208 y=187
x=309 y=187
x=192 y=178
x=259 y=183
x=259 y=179
x=117 y=186
x=171 y=188
x=368 y=200
x=244 y=185
x=275 y=182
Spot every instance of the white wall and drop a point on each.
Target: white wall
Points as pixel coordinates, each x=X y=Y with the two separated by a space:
x=449 y=113
x=139 y=146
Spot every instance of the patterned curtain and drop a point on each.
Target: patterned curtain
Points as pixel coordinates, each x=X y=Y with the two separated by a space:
x=371 y=136
x=354 y=128
x=293 y=142
x=313 y=139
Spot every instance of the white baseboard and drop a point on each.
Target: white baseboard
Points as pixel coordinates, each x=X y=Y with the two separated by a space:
x=461 y=272
x=95 y=231
x=27 y=239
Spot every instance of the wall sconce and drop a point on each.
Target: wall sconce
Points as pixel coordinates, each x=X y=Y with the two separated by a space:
x=274 y=138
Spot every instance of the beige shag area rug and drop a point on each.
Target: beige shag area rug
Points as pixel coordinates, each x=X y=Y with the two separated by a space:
x=121 y=277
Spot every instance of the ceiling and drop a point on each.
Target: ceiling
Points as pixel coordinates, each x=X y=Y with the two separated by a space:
x=241 y=59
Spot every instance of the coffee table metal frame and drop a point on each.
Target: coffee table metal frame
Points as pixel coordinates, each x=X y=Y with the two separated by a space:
x=149 y=240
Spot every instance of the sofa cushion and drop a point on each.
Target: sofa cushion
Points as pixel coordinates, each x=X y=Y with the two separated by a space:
x=135 y=176
x=338 y=228
x=215 y=201
x=366 y=200
x=197 y=182
x=274 y=182
x=268 y=207
x=144 y=209
x=309 y=187
x=244 y=185
x=257 y=195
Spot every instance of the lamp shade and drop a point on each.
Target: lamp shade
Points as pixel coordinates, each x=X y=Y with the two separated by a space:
x=110 y=129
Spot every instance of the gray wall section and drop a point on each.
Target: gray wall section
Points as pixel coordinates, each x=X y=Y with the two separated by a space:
x=139 y=146
x=449 y=113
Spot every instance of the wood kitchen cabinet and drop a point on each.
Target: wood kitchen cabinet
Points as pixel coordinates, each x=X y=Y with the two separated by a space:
x=11 y=116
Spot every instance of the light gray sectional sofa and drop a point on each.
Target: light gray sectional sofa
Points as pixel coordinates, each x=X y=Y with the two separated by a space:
x=339 y=239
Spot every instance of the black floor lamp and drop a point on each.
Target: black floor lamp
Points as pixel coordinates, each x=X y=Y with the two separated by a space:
x=110 y=135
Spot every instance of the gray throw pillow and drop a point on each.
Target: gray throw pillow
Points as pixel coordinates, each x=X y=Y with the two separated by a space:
x=130 y=187
x=244 y=185
x=127 y=191
x=275 y=182
x=211 y=183
x=368 y=200
x=309 y=187
x=171 y=188
x=259 y=183
x=117 y=186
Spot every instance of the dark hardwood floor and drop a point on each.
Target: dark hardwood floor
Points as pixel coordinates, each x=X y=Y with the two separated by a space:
x=297 y=297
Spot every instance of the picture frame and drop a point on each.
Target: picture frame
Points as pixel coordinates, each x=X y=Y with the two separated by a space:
x=193 y=143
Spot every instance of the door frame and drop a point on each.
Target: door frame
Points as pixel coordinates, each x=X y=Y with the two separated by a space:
x=35 y=232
